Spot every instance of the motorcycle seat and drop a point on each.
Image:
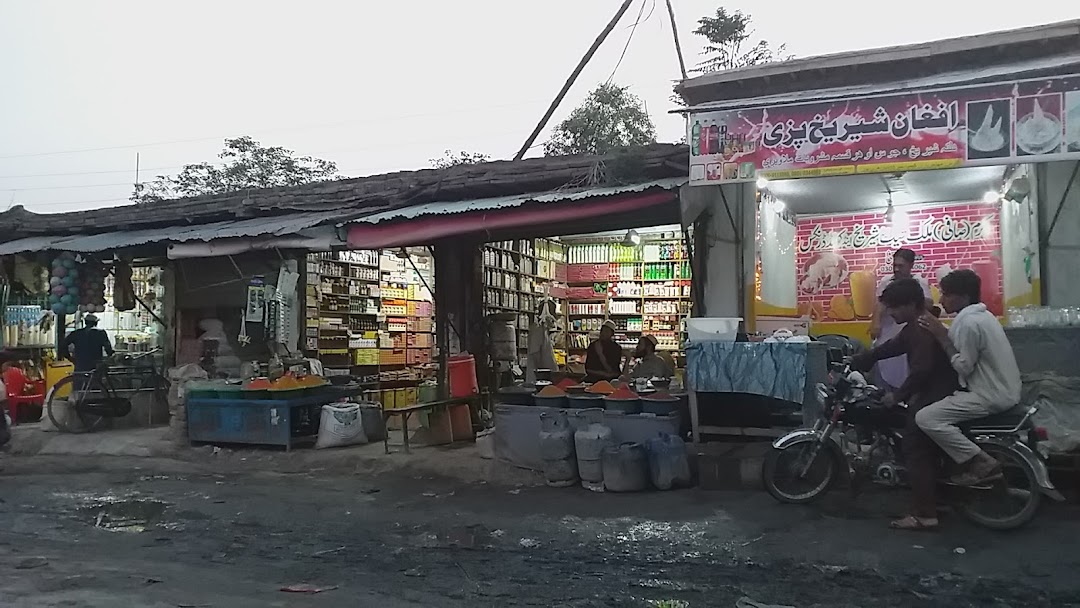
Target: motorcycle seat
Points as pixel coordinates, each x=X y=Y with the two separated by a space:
x=1005 y=420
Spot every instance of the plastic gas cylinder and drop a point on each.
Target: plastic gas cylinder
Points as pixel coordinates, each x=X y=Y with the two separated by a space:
x=557 y=449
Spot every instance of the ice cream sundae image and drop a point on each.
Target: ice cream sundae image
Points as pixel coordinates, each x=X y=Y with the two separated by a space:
x=1038 y=132
x=825 y=271
x=988 y=136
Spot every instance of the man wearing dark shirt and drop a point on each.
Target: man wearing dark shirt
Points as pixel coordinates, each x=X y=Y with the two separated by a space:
x=603 y=359
x=930 y=378
x=91 y=345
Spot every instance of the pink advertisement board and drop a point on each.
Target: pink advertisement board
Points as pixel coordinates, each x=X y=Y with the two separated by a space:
x=841 y=259
x=1032 y=120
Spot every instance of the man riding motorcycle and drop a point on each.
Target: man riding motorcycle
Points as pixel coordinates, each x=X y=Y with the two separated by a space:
x=930 y=378
x=980 y=352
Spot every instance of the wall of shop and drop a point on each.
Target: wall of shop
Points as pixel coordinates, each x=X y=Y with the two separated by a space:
x=1020 y=244
x=1060 y=248
x=725 y=248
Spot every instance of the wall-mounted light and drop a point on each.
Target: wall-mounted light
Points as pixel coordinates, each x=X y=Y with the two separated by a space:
x=778 y=206
x=991 y=197
x=762 y=183
x=632 y=239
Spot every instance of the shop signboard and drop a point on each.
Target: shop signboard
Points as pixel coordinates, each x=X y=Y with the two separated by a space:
x=1022 y=121
x=842 y=259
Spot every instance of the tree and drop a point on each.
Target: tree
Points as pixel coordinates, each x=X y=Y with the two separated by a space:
x=610 y=118
x=727 y=35
x=450 y=159
x=247 y=165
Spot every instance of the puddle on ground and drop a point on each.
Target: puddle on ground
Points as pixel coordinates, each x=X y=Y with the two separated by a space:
x=130 y=515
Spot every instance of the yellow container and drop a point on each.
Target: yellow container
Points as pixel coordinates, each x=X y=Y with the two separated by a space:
x=388 y=400
x=56 y=371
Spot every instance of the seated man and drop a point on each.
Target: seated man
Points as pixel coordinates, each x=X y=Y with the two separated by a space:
x=645 y=363
x=980 y=353
x=604 y=356
x=930 y=378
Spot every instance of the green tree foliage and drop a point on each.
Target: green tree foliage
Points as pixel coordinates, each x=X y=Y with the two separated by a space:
x=729 y=44
x=246 y=165
x=610 y=118
x=451 y=159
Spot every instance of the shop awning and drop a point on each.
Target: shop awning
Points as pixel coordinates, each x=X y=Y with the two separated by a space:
x=1005 y=71
x=426 y=223
x=297 y=224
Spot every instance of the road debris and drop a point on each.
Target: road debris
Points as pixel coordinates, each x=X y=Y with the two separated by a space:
x=305 y=588
x=31 y=563
x=328 y=551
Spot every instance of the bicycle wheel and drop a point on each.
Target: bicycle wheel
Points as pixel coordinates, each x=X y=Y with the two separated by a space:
x=66 y=411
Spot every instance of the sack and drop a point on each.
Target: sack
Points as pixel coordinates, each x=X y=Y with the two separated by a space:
x=340 y=425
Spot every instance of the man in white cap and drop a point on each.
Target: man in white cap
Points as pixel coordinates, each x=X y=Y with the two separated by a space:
x=91 y=345
x=646 y=363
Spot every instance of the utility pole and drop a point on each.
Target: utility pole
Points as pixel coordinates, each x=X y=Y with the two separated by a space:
x=675 y=35
x=573 y=76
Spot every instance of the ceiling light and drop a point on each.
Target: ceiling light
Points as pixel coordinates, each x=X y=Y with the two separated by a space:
x=632 y=238
x=991 y=197
x=778 y=206
x=762 y=183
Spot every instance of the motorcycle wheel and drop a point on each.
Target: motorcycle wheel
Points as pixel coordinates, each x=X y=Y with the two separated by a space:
x=780 y=473
x=1011 y=501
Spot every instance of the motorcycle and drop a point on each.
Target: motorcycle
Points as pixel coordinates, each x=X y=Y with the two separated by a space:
x=861 y=437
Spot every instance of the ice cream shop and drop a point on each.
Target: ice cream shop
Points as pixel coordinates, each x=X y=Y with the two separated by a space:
x=806 y=176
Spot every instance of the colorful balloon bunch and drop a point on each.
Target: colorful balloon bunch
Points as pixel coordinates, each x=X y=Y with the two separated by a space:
x=76 y=286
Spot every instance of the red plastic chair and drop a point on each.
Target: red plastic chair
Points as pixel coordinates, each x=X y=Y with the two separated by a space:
x=22 y=391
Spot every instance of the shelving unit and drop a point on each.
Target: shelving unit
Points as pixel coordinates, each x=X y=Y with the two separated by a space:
x=369 y=315
x=518 y=275
x=643 y=290
x=342 y=310
x=406 y=338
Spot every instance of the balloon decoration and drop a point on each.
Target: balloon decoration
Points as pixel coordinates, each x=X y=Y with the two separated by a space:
x=76 y=285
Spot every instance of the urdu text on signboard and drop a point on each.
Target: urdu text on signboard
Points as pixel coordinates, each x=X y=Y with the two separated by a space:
x=1024 y=121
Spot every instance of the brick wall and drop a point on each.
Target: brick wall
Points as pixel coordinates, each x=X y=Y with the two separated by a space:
x=956 y=235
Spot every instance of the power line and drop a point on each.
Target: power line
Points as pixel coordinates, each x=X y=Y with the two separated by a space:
x=633 y=29
x=86 y=172
x=380 y=119
x=63 y=187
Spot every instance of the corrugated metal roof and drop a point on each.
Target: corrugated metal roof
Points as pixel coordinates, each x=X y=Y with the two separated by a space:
x=507 y=202
x=1015 y=71
x=264 y=226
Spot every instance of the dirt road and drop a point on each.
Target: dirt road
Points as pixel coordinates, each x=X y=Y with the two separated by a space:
x=147 y=533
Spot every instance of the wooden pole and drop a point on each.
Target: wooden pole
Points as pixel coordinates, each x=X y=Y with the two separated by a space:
x=573 y=77
x=675 y=35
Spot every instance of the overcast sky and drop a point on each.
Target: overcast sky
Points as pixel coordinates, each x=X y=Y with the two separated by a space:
x=373 y=86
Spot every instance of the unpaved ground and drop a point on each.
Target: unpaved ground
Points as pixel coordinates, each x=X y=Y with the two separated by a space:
x=147 y=533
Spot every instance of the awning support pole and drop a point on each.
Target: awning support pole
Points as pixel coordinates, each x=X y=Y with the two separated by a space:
x=1061 y=203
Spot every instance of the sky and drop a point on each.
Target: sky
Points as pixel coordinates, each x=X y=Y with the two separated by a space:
x=373 y=86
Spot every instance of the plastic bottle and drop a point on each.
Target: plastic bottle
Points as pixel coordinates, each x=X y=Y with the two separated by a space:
x=695 y=135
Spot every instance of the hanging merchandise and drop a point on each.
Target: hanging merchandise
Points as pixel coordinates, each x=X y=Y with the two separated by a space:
x=256 y=300
x=63 y=291
x=123 y=290
x=91 y=286
x=243 y=339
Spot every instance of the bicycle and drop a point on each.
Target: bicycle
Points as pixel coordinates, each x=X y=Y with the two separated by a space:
x=91 y=398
